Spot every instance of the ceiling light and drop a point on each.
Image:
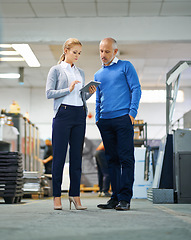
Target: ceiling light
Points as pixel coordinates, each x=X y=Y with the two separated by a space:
x=5 y=46
x=25 y=51
x=9 y=53
x=11 y=59
x=9 y=75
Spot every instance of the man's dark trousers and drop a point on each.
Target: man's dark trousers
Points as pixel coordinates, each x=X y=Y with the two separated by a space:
x=117 y=134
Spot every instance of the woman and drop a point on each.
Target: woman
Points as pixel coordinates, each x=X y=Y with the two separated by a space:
x=64 y=82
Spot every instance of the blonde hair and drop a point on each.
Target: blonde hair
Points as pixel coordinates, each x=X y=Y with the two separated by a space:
x=68 y=44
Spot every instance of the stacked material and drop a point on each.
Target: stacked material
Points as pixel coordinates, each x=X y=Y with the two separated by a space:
x=11 y=176
x=32 y=183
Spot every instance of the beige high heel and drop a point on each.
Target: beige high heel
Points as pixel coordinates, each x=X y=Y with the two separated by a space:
x=78 y=207
x=57 y=207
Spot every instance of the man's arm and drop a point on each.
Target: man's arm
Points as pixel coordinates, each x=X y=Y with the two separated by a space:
x=135 y=87
x=48 y=159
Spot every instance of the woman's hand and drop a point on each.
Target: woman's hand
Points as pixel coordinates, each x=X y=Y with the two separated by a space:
x=72 y=86
x=92 y=89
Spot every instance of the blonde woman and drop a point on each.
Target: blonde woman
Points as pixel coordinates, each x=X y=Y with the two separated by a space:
x=64 y=82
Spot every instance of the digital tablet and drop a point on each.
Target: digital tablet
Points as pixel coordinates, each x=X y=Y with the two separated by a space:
x=86 y=87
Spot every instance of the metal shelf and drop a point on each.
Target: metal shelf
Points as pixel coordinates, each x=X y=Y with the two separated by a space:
x=142 y=138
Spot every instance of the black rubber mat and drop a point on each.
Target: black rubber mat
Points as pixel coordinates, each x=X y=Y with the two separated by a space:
x=17 y=174
x=11 y=176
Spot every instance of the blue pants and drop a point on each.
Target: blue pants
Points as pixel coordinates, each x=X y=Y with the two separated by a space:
x=117 y=135
x=68 y=127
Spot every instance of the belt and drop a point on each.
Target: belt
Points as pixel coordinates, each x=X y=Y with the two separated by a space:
x=71 y=106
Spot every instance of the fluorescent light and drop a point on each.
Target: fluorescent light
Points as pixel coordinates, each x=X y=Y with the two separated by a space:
x=9 y=75
x=175 y=74
x=11 y=59
x=25 y=51
x=5 y=45
x=9 y=53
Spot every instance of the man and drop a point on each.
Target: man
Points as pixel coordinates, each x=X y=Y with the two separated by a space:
x=103 y=171
x=48 y=156
x=117 y=101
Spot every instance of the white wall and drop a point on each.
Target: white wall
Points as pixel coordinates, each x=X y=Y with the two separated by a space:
x=33 y=100
x=155 y=114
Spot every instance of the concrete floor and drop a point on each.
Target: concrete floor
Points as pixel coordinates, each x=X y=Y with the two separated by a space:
x=36 y=219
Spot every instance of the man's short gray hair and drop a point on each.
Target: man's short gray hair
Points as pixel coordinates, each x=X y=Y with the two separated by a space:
x=114 y=42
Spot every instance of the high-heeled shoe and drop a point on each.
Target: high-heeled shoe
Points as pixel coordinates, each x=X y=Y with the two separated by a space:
x=78 y=207
x=57 y=207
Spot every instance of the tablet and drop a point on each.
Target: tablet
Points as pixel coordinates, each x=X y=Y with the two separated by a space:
x=86 y=87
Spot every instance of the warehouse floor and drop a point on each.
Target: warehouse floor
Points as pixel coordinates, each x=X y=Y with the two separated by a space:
x=36 y=219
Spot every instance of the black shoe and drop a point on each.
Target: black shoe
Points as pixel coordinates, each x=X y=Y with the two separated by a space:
x=123 y=206
x=109 y=205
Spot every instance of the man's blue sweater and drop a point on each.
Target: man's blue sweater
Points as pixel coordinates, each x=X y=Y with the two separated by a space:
x=119 y=92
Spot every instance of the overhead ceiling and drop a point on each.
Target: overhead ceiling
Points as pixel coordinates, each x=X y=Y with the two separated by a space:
x=152 y=59
x=94 y=8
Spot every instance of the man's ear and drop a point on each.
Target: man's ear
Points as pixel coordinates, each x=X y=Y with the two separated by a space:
x=115 y=51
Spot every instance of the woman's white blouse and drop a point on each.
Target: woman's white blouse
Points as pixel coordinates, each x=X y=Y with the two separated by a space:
x=73 y=98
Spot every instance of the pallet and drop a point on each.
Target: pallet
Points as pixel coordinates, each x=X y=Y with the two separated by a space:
x=36 y=196
x=95 y=188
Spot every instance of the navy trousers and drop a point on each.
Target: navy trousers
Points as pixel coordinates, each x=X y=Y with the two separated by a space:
x=68 y=127
x=117 y=135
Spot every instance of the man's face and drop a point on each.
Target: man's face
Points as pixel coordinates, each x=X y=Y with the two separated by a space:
x=107 y=53
x=48 y=142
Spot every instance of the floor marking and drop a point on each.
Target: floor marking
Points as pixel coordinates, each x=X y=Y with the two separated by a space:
x=183 y=216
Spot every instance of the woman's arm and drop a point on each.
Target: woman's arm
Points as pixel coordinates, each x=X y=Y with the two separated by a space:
x=51 y=91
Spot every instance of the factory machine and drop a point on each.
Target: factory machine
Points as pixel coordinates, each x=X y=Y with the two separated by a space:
x=171 y=183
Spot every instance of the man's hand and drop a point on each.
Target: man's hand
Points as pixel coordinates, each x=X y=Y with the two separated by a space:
x=92 y=89
x=132 y=119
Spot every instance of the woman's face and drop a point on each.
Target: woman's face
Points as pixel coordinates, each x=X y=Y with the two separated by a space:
x=72 y=54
